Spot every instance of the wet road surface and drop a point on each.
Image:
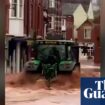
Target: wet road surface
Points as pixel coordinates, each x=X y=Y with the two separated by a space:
x=31 y=89
x=42 y=97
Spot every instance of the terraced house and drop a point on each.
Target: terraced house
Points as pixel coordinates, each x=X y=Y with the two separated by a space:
x=14 y=29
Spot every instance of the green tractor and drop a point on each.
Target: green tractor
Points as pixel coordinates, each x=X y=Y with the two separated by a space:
x=53 y=57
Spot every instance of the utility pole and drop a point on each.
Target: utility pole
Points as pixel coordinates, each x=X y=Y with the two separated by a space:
x=2 y=53
x=102 y=38
x=27 y=18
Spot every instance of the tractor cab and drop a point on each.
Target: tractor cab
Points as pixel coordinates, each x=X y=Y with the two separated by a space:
x=65 y=54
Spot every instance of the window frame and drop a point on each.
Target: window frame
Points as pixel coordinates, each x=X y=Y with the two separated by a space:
x=51 y=3
x=19 y=9
x=21 y=6
x=86 y=34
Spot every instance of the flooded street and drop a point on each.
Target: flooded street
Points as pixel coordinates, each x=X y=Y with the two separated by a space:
x=47 y=97
x=31 y=89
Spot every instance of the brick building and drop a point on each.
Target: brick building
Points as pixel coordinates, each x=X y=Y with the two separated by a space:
x=33 y=17
x=13 y=35
x=85 y=25
x=36 y=21
x=85 y=32
x=89 y=32
x=54 y=10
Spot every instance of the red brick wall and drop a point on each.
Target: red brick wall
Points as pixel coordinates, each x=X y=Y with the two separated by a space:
x=81 y=32
x=34 y=19
x=69 y=27
x=40 y=19
x=81 y=35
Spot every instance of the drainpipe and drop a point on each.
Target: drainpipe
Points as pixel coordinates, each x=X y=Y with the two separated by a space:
x=27 y=18
x=28 y=26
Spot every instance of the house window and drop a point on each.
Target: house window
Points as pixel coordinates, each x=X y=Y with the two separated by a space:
x=21 y=8
x=51 y=3
x=16 y=8
x=87 y=33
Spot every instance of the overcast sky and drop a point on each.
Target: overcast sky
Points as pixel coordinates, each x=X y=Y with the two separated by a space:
x=96 y=4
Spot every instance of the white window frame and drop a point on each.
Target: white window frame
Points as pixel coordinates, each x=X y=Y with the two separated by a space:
x=51 y=3
x=21 y=8
x=87 y=34
x=18 y=11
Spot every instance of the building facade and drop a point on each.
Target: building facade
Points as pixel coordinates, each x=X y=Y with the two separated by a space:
x=33 y=17
x=85 y=32
x=89 y=32
x=25 y=20
x=54 y=10
x=13 y=47
x=69 y=27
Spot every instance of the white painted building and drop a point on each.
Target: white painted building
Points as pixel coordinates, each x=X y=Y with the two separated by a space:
x=16 y=17
x=13 y=49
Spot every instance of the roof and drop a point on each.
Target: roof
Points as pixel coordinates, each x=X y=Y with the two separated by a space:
x=90 y=22
x=69 y=8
